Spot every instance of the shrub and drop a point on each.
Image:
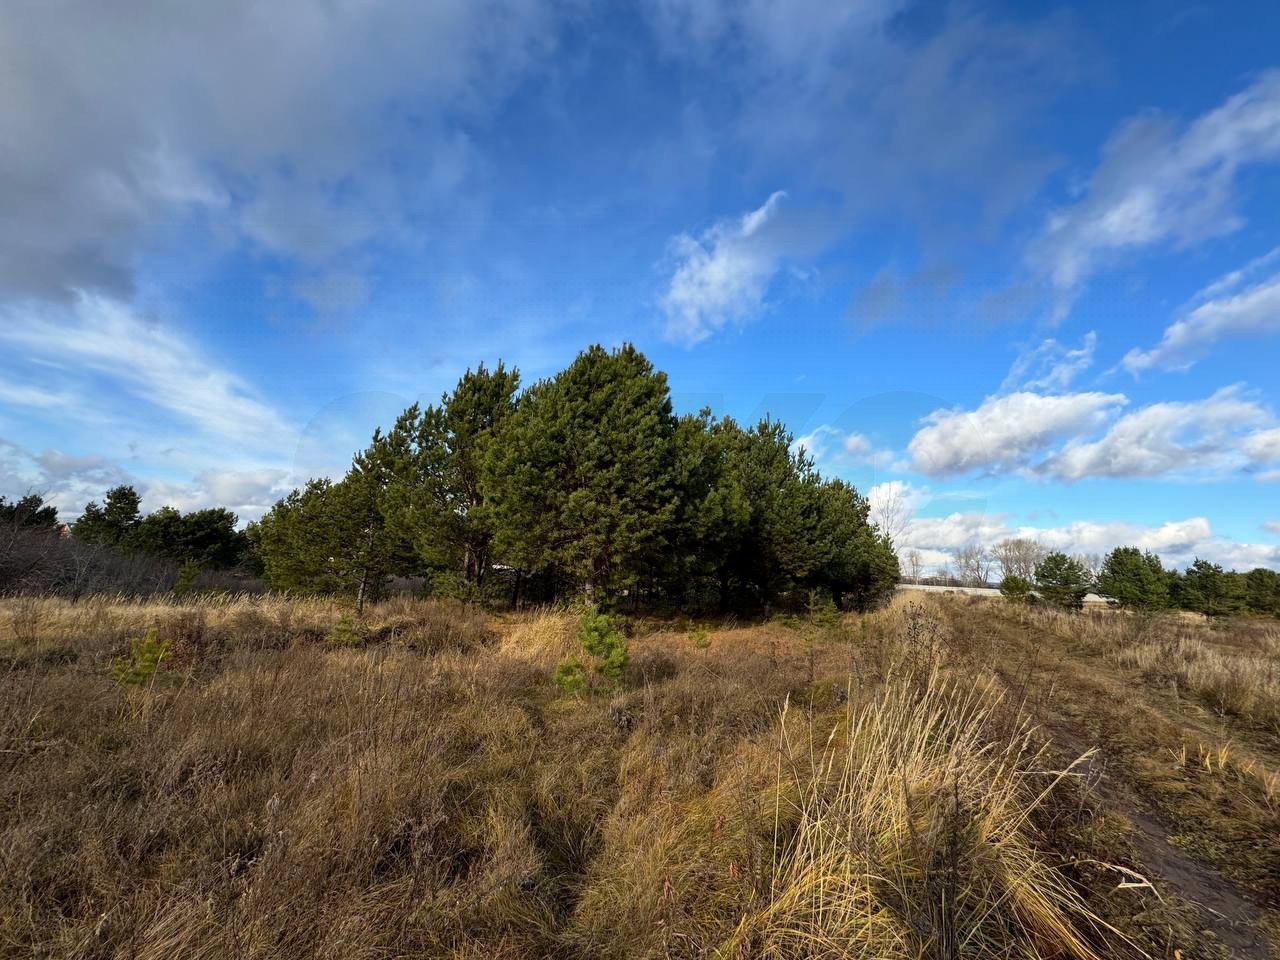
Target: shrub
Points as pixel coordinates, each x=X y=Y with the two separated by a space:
x=187 y=574
x=571 y=676
x=606 y=654
x=699 y=638
x=344 y=633
x=145 y=654
x=604 y=643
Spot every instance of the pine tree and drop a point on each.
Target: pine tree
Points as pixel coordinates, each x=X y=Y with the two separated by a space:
x=856 y=562
x=112 y=523
x=327 y=538
x=435 y=499
x=29 y=512
x=1062 y=581
x=1134 y=580
x=1262 y=592
x=1207 y=588
x=580 y=477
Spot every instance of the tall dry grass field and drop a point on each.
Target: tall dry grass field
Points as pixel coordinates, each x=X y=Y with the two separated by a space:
x=273 y=777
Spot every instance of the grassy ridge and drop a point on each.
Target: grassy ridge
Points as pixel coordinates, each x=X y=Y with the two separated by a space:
x=295 y=783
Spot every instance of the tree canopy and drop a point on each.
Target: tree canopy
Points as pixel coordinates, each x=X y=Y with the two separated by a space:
x=585 y=481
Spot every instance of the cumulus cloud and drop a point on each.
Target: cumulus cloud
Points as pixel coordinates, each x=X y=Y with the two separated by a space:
x=1005 y=433
x=1178 y=542
x=1166 y=438
x=1272 y=526
x=1264 y=446
x=1051 y=366
x=1253 y=310
x=1162 y=183
x=1074 y=436
x=299 y=129
x=722 y=275
x=65 y=480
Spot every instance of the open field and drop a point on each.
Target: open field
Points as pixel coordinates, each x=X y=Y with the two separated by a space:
x=946 y=777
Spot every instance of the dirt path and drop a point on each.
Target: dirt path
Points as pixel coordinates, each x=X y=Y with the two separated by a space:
x=1084 y=704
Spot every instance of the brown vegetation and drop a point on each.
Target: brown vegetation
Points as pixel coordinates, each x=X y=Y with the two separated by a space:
x=945 y=777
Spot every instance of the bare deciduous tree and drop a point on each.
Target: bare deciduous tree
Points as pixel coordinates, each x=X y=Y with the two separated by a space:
x=973 y=565
x=1018 y=556
x=890 y=509
x=914 y=564
x=1091 y=562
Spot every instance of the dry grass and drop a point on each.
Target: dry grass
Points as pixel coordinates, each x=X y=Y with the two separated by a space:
x=772 y=791
x=1233 y=669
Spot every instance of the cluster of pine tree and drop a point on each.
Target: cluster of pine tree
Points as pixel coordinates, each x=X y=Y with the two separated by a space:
x=1138 y=580
x=206 y=538
x=586 y=482
x=115 y=548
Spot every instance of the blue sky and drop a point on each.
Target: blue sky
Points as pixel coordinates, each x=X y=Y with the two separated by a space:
x=1011 y=268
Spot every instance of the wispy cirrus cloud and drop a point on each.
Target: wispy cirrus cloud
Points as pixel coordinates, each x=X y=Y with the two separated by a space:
x=102 y=339
x=1161 y=183
x=1051 y=366
x=1224 y=310
x=722 y=275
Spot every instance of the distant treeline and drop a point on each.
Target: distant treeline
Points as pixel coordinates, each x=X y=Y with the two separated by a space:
x=586 y=482
x=114 y=548
x=1138 y=580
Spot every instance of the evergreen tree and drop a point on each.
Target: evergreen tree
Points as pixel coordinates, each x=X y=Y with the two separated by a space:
x=327 y=538
x=580 y=477
x=1262 y=592
x=1208 y=589
x=780 y=487
x=435 y=497
x=1016 y=589
x=856 y=562
x=113 y=523
x=30 y=512
x=712 y=513
x=1062 y=581
x=1134 y=579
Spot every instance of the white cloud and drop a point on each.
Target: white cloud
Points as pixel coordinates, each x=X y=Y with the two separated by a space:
x=29 y=395
x=1051 y=366
x=1005 y=433
x=105 y=338
x=1263 y=446
x=831 y=446
x=1165 y=438
x=1058 y=437
x=1254 y=310
x=721 y=276
x=66 y=481
x=1178 y=542
x=293 y=127
x=1157 y=184
x=70 y=481
x=1272 y=526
